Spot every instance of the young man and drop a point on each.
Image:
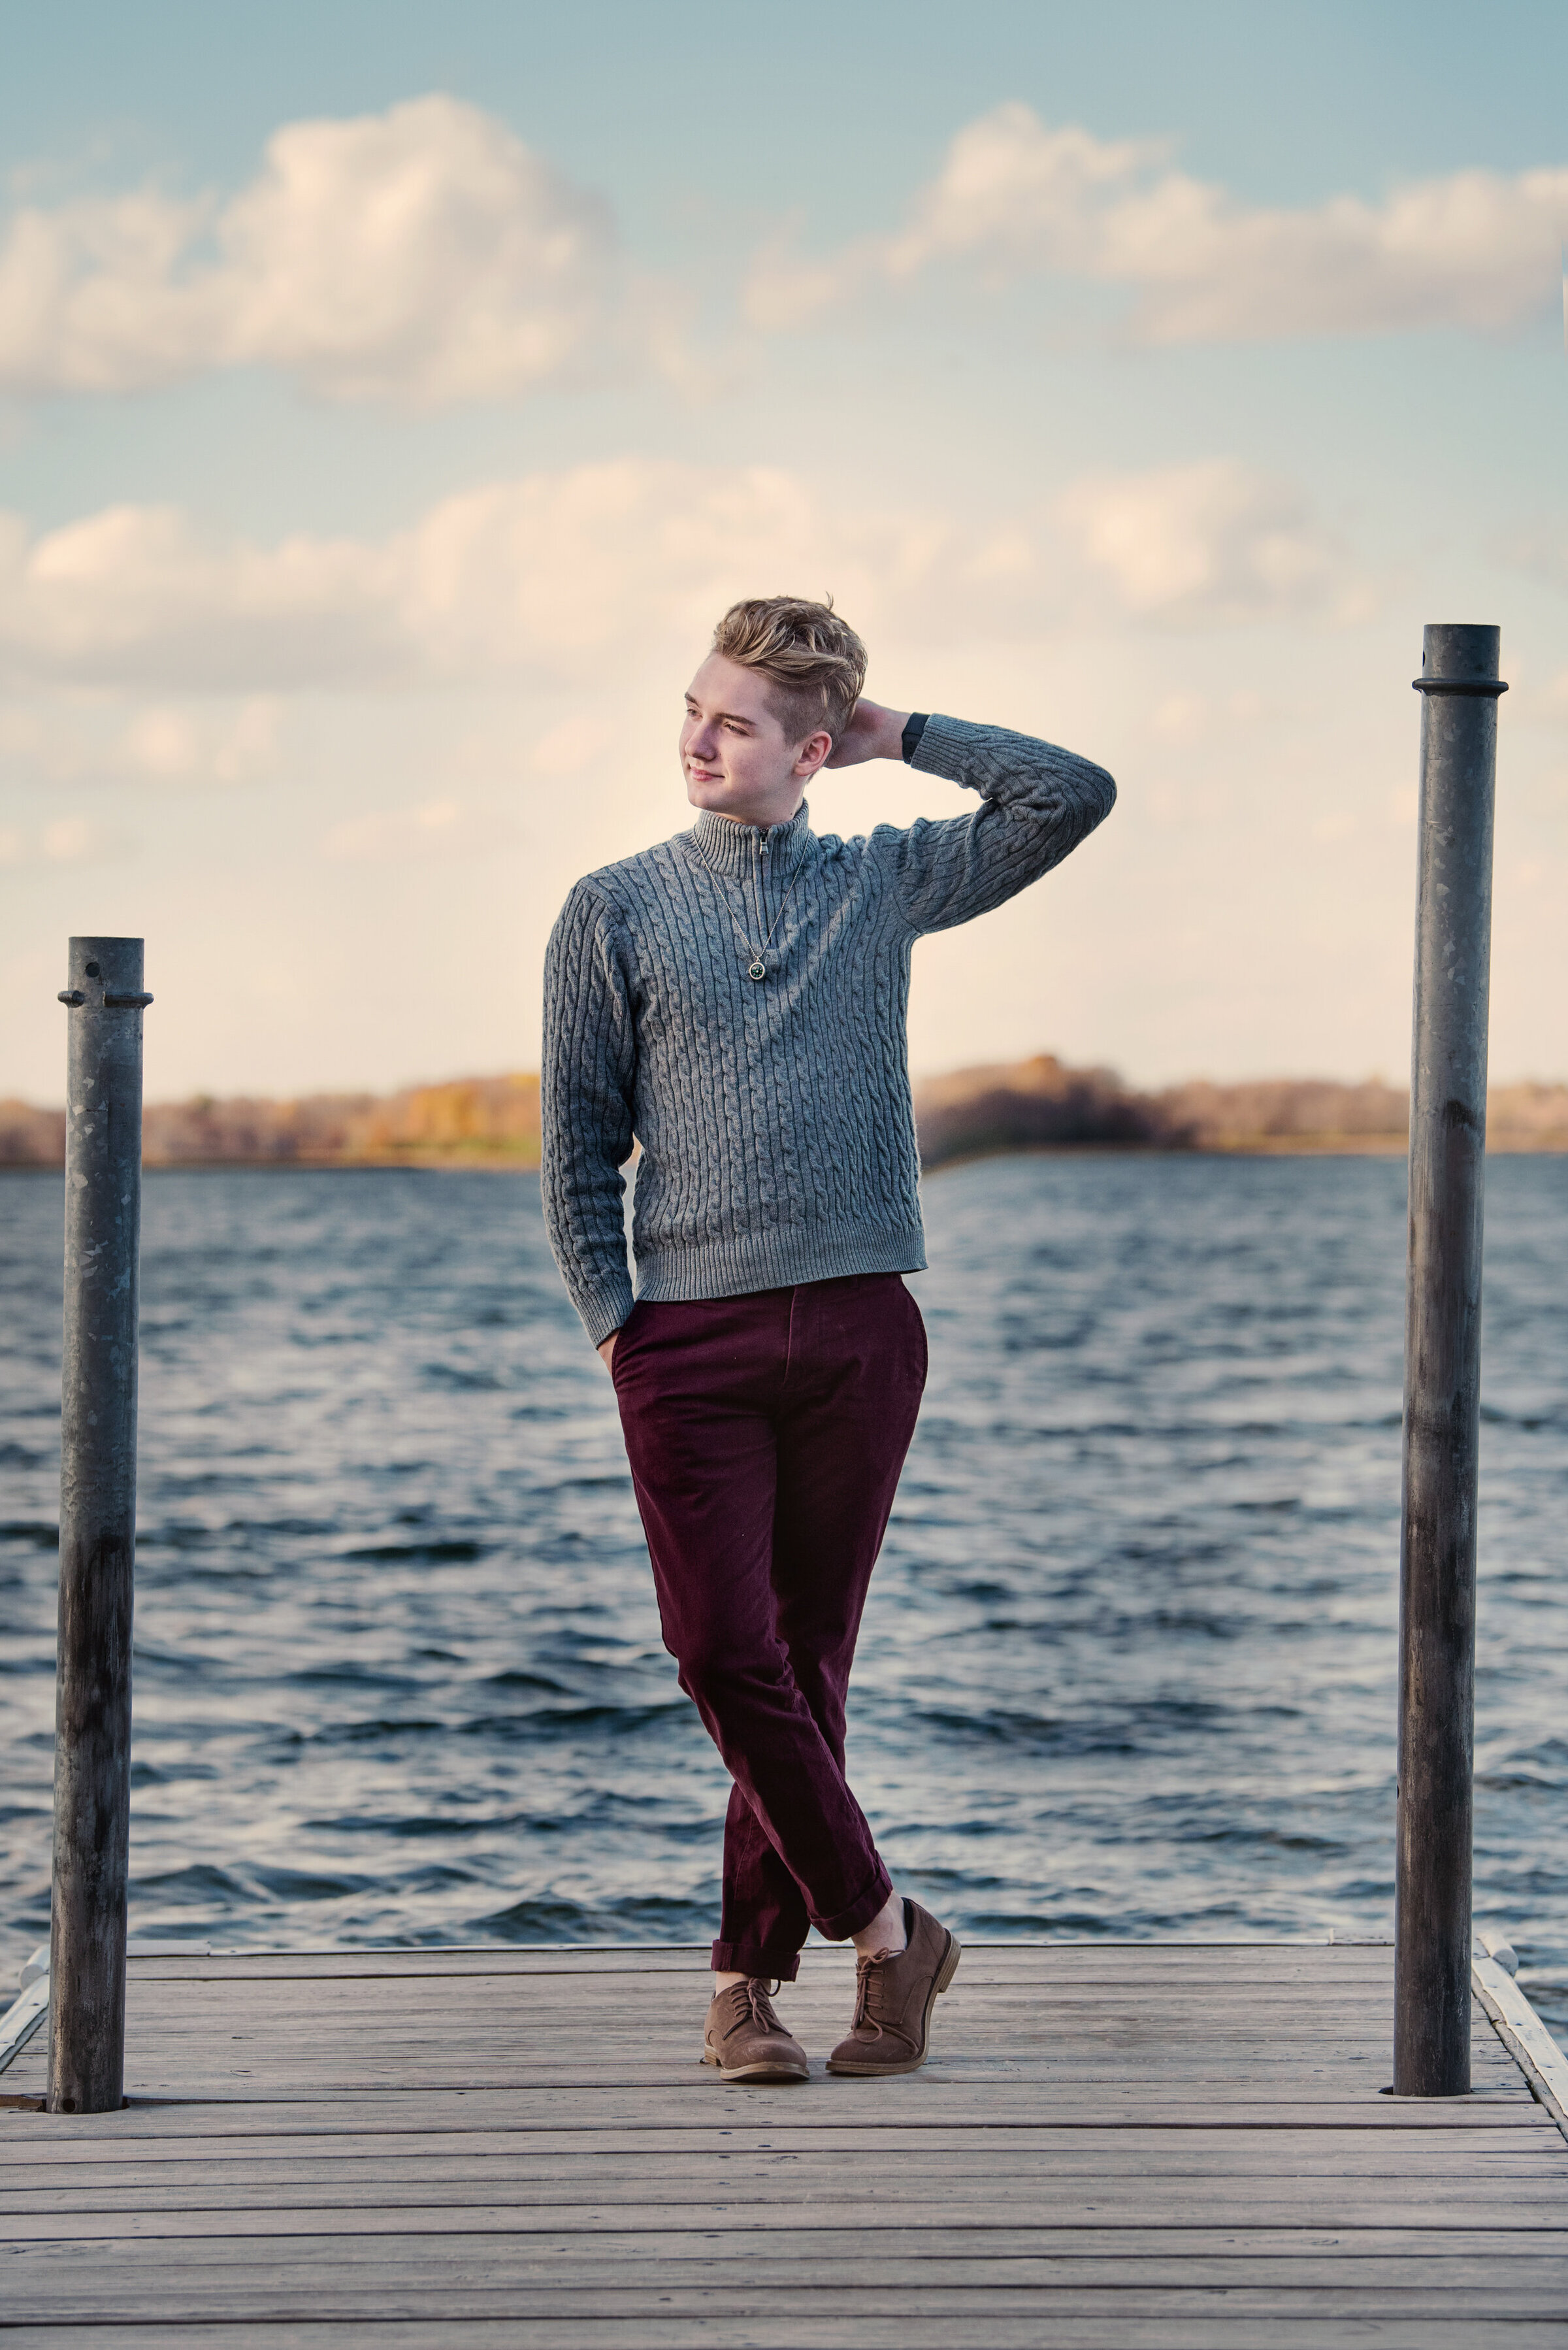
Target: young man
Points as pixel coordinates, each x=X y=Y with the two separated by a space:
x=735 y=1002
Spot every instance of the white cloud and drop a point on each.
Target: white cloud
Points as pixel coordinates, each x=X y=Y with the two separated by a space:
x=70 y=840
x=1476 y=249
x=137 y=595
x=87 y=739
x=426 y=256
x=1189 y=718
x=74 y=840
x=1210 y=544
x=423 y=255
x=546 y=573
x=553 y=574
x=172 y=744
x=571 y=746
x=438 y=829
x=1541 y=552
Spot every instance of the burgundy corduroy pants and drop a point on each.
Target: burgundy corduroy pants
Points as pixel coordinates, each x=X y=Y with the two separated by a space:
x=766 y=1435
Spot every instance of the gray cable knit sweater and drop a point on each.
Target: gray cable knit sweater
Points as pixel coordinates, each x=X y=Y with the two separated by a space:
x=777 y=1132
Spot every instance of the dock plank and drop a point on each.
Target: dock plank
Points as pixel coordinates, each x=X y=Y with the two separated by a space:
x=1119 y=2329
x=1129 y=2144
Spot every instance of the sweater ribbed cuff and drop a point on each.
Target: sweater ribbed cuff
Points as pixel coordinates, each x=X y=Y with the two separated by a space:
x=779 y=1258
x=604 y=1308
x=946 y=749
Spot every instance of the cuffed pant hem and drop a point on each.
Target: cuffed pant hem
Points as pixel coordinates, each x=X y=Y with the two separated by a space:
x=746 y=1959
x=859 y=1913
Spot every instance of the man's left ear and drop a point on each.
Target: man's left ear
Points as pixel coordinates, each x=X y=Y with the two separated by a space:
x=813 y=751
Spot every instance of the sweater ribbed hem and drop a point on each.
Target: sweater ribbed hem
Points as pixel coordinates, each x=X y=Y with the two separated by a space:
x=778 y=1259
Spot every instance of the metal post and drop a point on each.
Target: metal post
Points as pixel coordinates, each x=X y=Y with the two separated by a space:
x=97 y=1527
x=1458 y=685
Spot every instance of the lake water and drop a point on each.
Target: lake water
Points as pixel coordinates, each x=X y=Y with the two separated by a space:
x=1128 y=1667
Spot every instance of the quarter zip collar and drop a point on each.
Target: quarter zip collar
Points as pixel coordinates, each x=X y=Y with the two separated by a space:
x=738 y=850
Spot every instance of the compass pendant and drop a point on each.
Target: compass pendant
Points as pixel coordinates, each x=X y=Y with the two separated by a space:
x=757 y=969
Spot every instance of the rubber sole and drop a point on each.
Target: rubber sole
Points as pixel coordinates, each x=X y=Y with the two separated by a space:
x=849 y=2070
x=779 y=2073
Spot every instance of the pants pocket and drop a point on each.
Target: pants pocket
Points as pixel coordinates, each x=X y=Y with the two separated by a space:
x=922 y=1343
x=621 y=1337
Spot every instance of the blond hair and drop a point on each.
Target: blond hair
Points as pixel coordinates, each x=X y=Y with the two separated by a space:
x=814 y=661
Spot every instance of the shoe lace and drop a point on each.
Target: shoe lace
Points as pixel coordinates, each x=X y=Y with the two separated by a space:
x=749 y=2002
x=870 y=1978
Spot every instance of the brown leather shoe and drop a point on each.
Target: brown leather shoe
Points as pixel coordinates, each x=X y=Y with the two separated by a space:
x=745 y=2039
x=894 y=1996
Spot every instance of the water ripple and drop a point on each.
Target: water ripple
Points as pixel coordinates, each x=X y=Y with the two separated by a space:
x=1128 y=1664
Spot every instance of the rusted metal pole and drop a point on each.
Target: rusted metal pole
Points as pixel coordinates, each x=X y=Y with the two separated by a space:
x=97 y=1527
x=1458 y=685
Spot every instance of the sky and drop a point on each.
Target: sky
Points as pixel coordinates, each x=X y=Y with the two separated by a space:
x=392 y=396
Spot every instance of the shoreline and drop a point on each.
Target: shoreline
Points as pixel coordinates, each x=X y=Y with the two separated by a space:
x=1041 y=1104
x=439 y=1163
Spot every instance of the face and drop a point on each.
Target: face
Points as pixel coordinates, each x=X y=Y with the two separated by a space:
x=734 y=754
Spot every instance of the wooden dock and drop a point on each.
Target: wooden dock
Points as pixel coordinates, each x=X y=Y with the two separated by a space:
x=1114 y=2145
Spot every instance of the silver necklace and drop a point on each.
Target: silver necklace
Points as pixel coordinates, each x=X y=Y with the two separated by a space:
x=757 y=968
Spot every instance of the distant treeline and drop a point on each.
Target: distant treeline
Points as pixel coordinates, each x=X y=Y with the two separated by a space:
x=488 y=1122
x=1036 y=1105
x=1039 y=1105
